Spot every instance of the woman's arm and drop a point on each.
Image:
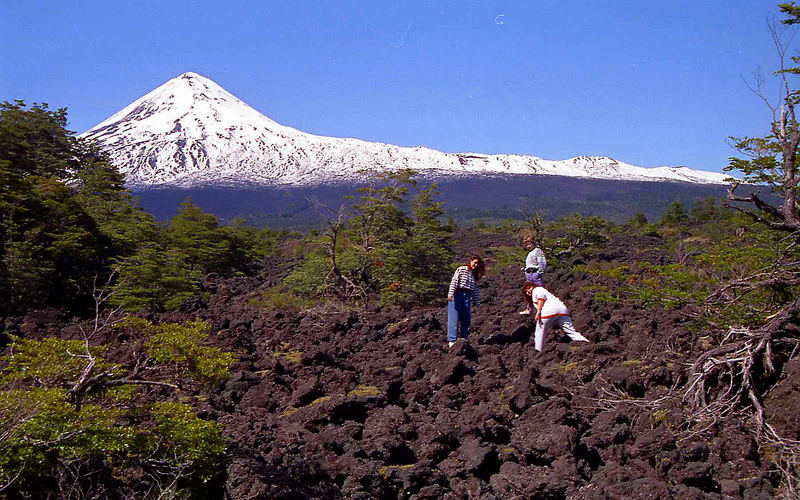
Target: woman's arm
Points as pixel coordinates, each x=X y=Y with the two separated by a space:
x=453 y=285
x=539 y=304
x=475 y=296
x=542 y=261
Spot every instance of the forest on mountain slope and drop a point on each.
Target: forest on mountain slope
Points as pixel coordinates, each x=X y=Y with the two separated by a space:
x=198 y=359
x=487 y=200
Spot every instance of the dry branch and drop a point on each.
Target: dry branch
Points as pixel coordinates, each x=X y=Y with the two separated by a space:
x=722 y=383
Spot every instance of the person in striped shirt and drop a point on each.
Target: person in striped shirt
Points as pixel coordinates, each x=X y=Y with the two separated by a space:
x=550 y=312
x=462 y=293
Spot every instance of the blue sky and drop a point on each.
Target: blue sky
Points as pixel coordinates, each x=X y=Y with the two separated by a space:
x=646 y=82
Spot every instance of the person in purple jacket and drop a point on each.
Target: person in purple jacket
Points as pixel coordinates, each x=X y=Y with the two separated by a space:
x=462 y=293
x=535 y=265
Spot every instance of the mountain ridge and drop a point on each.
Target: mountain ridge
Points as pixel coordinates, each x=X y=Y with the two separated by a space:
x=190 y=132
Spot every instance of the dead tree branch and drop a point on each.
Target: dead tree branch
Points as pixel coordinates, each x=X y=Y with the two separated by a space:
x=350 y=288
x=722 y=383
x=90 y=378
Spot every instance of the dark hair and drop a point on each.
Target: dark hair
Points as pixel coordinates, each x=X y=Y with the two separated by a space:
x=525 y=287
x=481 y=269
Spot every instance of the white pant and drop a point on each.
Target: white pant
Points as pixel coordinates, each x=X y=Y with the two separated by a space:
x=564 y=322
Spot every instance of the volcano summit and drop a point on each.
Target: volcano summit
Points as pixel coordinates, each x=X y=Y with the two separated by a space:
x=190 y=133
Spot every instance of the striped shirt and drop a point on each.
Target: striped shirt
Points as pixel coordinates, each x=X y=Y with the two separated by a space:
x=464 y=279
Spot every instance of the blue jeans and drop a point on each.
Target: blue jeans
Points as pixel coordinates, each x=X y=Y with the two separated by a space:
x=458 y=311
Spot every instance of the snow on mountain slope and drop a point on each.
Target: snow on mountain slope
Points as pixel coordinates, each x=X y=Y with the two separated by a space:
x=190 y=132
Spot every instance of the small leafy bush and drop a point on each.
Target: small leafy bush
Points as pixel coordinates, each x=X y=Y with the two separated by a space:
x=183 y=343
x=508 y=256
x=187 y=437
x=49 y=362
x=284 y=299
x=310 y=278
x=64 y=408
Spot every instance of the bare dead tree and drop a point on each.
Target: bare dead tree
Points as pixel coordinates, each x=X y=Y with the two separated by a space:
x=773 y=159
x=336 y=224
x=533 y=222
x=92 y=379
x=729 y=379
x=722 y=383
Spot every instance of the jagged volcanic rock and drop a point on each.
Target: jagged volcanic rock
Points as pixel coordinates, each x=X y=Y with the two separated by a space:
x=370 y=403
x=190 y=132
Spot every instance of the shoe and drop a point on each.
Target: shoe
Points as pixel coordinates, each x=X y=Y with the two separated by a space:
x=525 y=312
x=451 y=344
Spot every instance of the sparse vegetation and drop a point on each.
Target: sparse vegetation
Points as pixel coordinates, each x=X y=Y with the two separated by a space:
x=64 y=406
x=693 y=322
x=377 y=248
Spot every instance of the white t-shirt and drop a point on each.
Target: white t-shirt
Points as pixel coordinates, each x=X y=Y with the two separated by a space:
x=552 y=305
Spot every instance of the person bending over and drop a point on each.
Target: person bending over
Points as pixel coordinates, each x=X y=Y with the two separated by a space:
x=550 y=312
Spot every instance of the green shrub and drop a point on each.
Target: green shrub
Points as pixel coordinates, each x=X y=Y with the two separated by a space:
x=381 y=248
x=188 y=438
x=49 y=362
x=310 y=278
x=63 y=409
x=281 y=299
x=675 y=214
x=183 y=343
x=508 y=256
x=576 y=232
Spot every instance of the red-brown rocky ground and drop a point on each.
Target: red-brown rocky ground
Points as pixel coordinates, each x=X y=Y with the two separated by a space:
x=366 y=404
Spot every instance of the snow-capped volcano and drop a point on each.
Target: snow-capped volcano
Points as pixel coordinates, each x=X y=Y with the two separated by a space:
x=190 y=132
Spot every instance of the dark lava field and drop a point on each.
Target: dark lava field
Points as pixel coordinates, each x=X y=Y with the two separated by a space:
x=370 y=403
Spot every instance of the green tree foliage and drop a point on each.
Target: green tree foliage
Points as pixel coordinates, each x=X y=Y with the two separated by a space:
x=201 y=245
x=575 y=232
x=64 y=407
x=204 y=246
x=381 y=246
x=166 y=270
x=416 y=264
x=639 y=219
x=122 y=223
x=67 y=219
x=706 y=209
x=378 y=218
x=153 y=279
x=63 y=211
x=183 y=343
x=35 y=141
x=674 y=214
